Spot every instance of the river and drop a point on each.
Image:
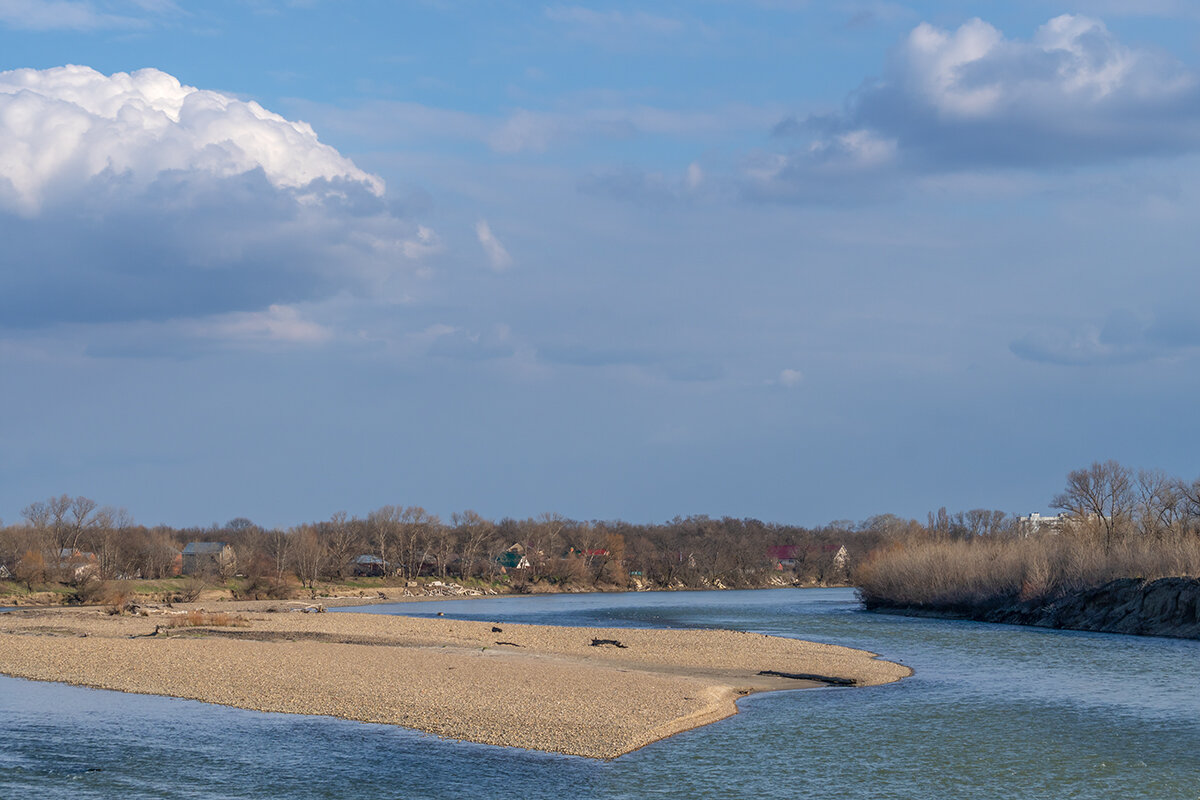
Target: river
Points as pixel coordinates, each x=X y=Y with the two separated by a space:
x=992 y=711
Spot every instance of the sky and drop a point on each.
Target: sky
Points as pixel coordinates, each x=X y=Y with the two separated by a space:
x=793 y=260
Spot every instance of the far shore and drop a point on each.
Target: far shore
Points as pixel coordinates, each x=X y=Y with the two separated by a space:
x=365 y=591
x=593 y=692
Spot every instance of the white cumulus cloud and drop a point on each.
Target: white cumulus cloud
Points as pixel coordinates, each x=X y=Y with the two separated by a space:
x=132 y=196
x=1072 y=64
x=64 y=126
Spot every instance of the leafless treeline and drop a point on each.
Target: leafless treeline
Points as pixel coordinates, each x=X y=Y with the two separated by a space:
x=1117 y=523
x=405 y=542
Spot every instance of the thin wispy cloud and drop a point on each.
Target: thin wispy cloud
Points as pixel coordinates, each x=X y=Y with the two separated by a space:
x=613 y=21
x=48 y=15
x=634 y=184
x=1123 y=338
x=498 y=257
x=790 y=378
x=1137 y=8
x=532 y=131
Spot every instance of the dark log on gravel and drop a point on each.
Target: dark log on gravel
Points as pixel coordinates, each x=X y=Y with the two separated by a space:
x=806 y=676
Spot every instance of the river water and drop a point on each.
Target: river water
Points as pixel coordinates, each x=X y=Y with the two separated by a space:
x=992 y=712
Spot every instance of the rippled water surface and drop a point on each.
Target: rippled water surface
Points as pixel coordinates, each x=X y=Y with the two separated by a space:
x=992 y=712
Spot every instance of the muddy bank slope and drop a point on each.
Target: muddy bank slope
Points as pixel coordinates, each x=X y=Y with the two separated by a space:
x=1164 y=607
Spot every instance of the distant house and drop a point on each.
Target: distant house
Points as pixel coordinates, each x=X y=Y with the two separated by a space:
x=585 y=551
x=785 y=556
x=370 y=566
x=4 y=573
x=513 y=558
x=78 y=563
x=200 y=558
x=1035 y=522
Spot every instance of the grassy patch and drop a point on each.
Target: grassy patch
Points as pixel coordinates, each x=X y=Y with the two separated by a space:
x=13 y=588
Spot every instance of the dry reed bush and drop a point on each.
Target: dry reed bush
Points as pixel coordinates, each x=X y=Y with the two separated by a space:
x=982 y=572
x=204 y=619
x=120 y=601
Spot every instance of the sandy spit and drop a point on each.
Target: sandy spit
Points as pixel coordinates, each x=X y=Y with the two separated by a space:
x=537 y=687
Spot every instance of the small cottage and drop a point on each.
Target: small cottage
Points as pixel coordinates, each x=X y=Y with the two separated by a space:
x=513 y=558
x=200 y=558
x=369 y=566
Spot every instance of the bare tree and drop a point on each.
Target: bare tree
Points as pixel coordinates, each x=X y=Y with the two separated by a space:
x=543 y=537
x=1160 y=504
x=342 y=543
x=473 y=533
x=308 y=557
x=1190 y=506
x=442 y=546
x=279 y=551
x=415 y=526
x=61 y=523
x=1100 y=498
x=109 y=528
x=383 y=525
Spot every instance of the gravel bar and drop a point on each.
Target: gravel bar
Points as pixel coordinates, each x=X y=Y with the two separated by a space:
x=529 y=686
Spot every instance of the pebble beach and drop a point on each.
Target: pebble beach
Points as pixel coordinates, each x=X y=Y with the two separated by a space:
x=592 y=692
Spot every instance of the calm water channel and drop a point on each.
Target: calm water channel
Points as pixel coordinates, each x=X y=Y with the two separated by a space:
x=992 y=712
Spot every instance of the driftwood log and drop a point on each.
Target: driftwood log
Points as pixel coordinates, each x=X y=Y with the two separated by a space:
x=807 y=676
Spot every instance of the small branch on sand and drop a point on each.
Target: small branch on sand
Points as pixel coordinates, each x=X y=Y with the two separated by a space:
x=613 y=642
x=511 y=644
x=806 y=676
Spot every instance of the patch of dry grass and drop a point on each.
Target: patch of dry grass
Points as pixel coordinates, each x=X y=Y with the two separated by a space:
x=205 y=619
x=983 y=571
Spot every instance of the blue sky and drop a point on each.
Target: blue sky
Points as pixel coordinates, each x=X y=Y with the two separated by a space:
x=800 y=261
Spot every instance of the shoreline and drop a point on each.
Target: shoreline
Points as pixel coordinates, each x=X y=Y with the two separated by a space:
x=354 y=601
x=394 y=594
x=549 y=688
x=1166 y=607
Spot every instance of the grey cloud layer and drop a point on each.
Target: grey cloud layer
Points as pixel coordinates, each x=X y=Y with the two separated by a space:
x=1072 y=94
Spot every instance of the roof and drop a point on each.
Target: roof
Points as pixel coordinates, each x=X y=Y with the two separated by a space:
x=368 y=559
x=512 y=560
x=68 y=553
x=204 y=548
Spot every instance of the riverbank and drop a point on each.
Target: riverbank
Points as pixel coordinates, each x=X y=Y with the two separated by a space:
x=591 y=692
x=1165 y=607
x=361 y=591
